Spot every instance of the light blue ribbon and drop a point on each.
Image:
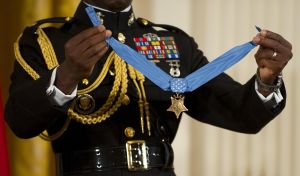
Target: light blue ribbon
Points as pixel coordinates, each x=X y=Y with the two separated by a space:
x=165 y=81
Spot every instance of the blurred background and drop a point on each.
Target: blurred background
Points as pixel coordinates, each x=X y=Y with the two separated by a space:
x=217 y=25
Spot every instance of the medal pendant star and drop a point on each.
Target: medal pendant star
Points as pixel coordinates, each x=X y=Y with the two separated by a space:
x=177 y=105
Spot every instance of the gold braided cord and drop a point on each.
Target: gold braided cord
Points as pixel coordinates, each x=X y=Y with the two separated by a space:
x=133 y=77
x=55 y=136
x=88 y=120
x=141 y=79
x=22 y=62
x=143 y=103
x=47 y=49
x=111 y=105
x=101 y=76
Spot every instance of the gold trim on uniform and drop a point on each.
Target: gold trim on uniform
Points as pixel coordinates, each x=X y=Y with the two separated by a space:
x=85 y=104
x=116 y=98
x=44 y=135
x=22 y=62
x=47 y=49
x=126 y=100
x=138 y=79
x=101 y=76
x=121 y=37
x=129 y=132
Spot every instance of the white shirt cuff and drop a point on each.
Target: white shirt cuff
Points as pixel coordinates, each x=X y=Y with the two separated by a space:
x=57 y=97
x=276 y=95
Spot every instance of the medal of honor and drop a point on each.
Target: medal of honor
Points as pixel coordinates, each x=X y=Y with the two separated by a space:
x=85 y=104
x=177 y=105
x=174 y=84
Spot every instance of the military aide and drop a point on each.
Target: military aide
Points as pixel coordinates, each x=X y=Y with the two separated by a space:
x=102 y=116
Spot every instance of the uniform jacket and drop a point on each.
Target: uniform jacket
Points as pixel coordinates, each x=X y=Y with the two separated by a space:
x=221 y=102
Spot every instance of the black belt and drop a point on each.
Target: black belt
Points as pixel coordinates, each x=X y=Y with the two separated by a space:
x=135 y=155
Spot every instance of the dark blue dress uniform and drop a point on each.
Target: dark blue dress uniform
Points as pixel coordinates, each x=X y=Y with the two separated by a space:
x=117 y=145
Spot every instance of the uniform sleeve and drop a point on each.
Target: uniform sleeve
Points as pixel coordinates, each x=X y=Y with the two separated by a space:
x=29 y=111
x=271 y=100
x=57 y=97
x=225 y=103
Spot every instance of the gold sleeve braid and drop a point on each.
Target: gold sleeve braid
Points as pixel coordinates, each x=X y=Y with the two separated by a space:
x=22 y=62
x=47 y=49
x=51 y=61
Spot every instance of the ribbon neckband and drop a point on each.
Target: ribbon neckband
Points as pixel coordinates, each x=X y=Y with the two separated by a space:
x=165 y=81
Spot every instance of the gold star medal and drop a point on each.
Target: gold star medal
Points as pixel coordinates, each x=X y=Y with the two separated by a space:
x=177 y=105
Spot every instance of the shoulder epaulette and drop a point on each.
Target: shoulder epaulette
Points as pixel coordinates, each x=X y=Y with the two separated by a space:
x=53 y=20
x=146 y=23
x=45 y=43
x=45 y=46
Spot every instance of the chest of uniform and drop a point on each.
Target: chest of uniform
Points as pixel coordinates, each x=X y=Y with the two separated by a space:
x=162 y=49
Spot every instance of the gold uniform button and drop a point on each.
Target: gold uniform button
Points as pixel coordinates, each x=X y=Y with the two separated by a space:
x=68 y=18
x=129 y=132
x=145 y=22
x=131 y=19
x=121 y=37
x=85 y=82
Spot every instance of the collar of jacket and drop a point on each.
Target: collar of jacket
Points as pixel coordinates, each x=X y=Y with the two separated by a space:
x=113 y=21
x=101 y=9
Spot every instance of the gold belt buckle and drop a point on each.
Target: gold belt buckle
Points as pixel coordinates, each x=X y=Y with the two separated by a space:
x=136 y=155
